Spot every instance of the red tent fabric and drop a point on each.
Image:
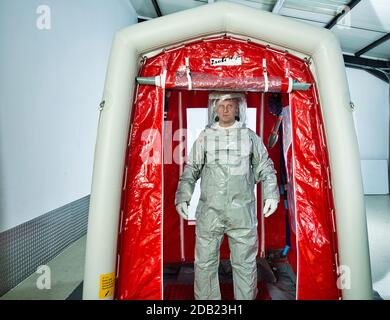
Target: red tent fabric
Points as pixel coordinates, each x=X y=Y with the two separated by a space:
x=149 y=232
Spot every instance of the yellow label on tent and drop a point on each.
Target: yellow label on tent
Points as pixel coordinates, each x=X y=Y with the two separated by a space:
x=107 y=284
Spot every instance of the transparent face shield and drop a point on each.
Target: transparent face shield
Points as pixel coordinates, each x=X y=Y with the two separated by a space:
x=214 y=97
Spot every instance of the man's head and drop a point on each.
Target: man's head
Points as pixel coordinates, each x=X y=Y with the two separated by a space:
x=226 y=107
x=227 y=111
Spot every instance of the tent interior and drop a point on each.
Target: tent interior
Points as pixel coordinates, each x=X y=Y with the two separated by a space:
x=189 y=108
x=156 y=247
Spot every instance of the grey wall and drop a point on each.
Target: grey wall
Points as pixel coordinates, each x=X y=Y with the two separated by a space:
x=51 y=83
x=371 y=98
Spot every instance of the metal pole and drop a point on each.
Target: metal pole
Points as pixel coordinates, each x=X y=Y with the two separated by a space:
x=336 y=19
x=181 y=168
x=155 y=82
x=157 y=8
x=278 y=5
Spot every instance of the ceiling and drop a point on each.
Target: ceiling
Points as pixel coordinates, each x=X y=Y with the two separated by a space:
x=363 y=28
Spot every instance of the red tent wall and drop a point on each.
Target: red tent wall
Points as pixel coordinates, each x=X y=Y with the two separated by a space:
x=142 y=228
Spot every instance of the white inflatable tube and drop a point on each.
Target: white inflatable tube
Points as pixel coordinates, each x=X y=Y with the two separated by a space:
x=131 y=43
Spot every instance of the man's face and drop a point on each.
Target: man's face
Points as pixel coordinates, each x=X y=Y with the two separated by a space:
x=226 y=111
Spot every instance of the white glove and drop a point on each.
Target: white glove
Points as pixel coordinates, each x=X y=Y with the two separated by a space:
x=182 y=209
x=270 y=207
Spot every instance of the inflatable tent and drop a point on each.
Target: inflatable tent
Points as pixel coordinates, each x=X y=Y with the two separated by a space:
x=162 y=70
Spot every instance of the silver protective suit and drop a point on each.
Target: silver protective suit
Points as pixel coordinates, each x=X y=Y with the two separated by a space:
x=229 y=162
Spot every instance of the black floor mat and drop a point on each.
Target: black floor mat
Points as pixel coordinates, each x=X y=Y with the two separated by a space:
x=283 y=289
x=77 y=293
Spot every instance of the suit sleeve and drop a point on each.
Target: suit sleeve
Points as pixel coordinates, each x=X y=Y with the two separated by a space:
x=191 y=172
x=263 y=169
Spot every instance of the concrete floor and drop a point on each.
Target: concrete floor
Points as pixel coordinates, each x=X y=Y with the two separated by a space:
x=67 y=269
x=378 y=223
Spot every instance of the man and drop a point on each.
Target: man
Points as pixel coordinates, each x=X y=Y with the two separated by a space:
x=229 y=158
